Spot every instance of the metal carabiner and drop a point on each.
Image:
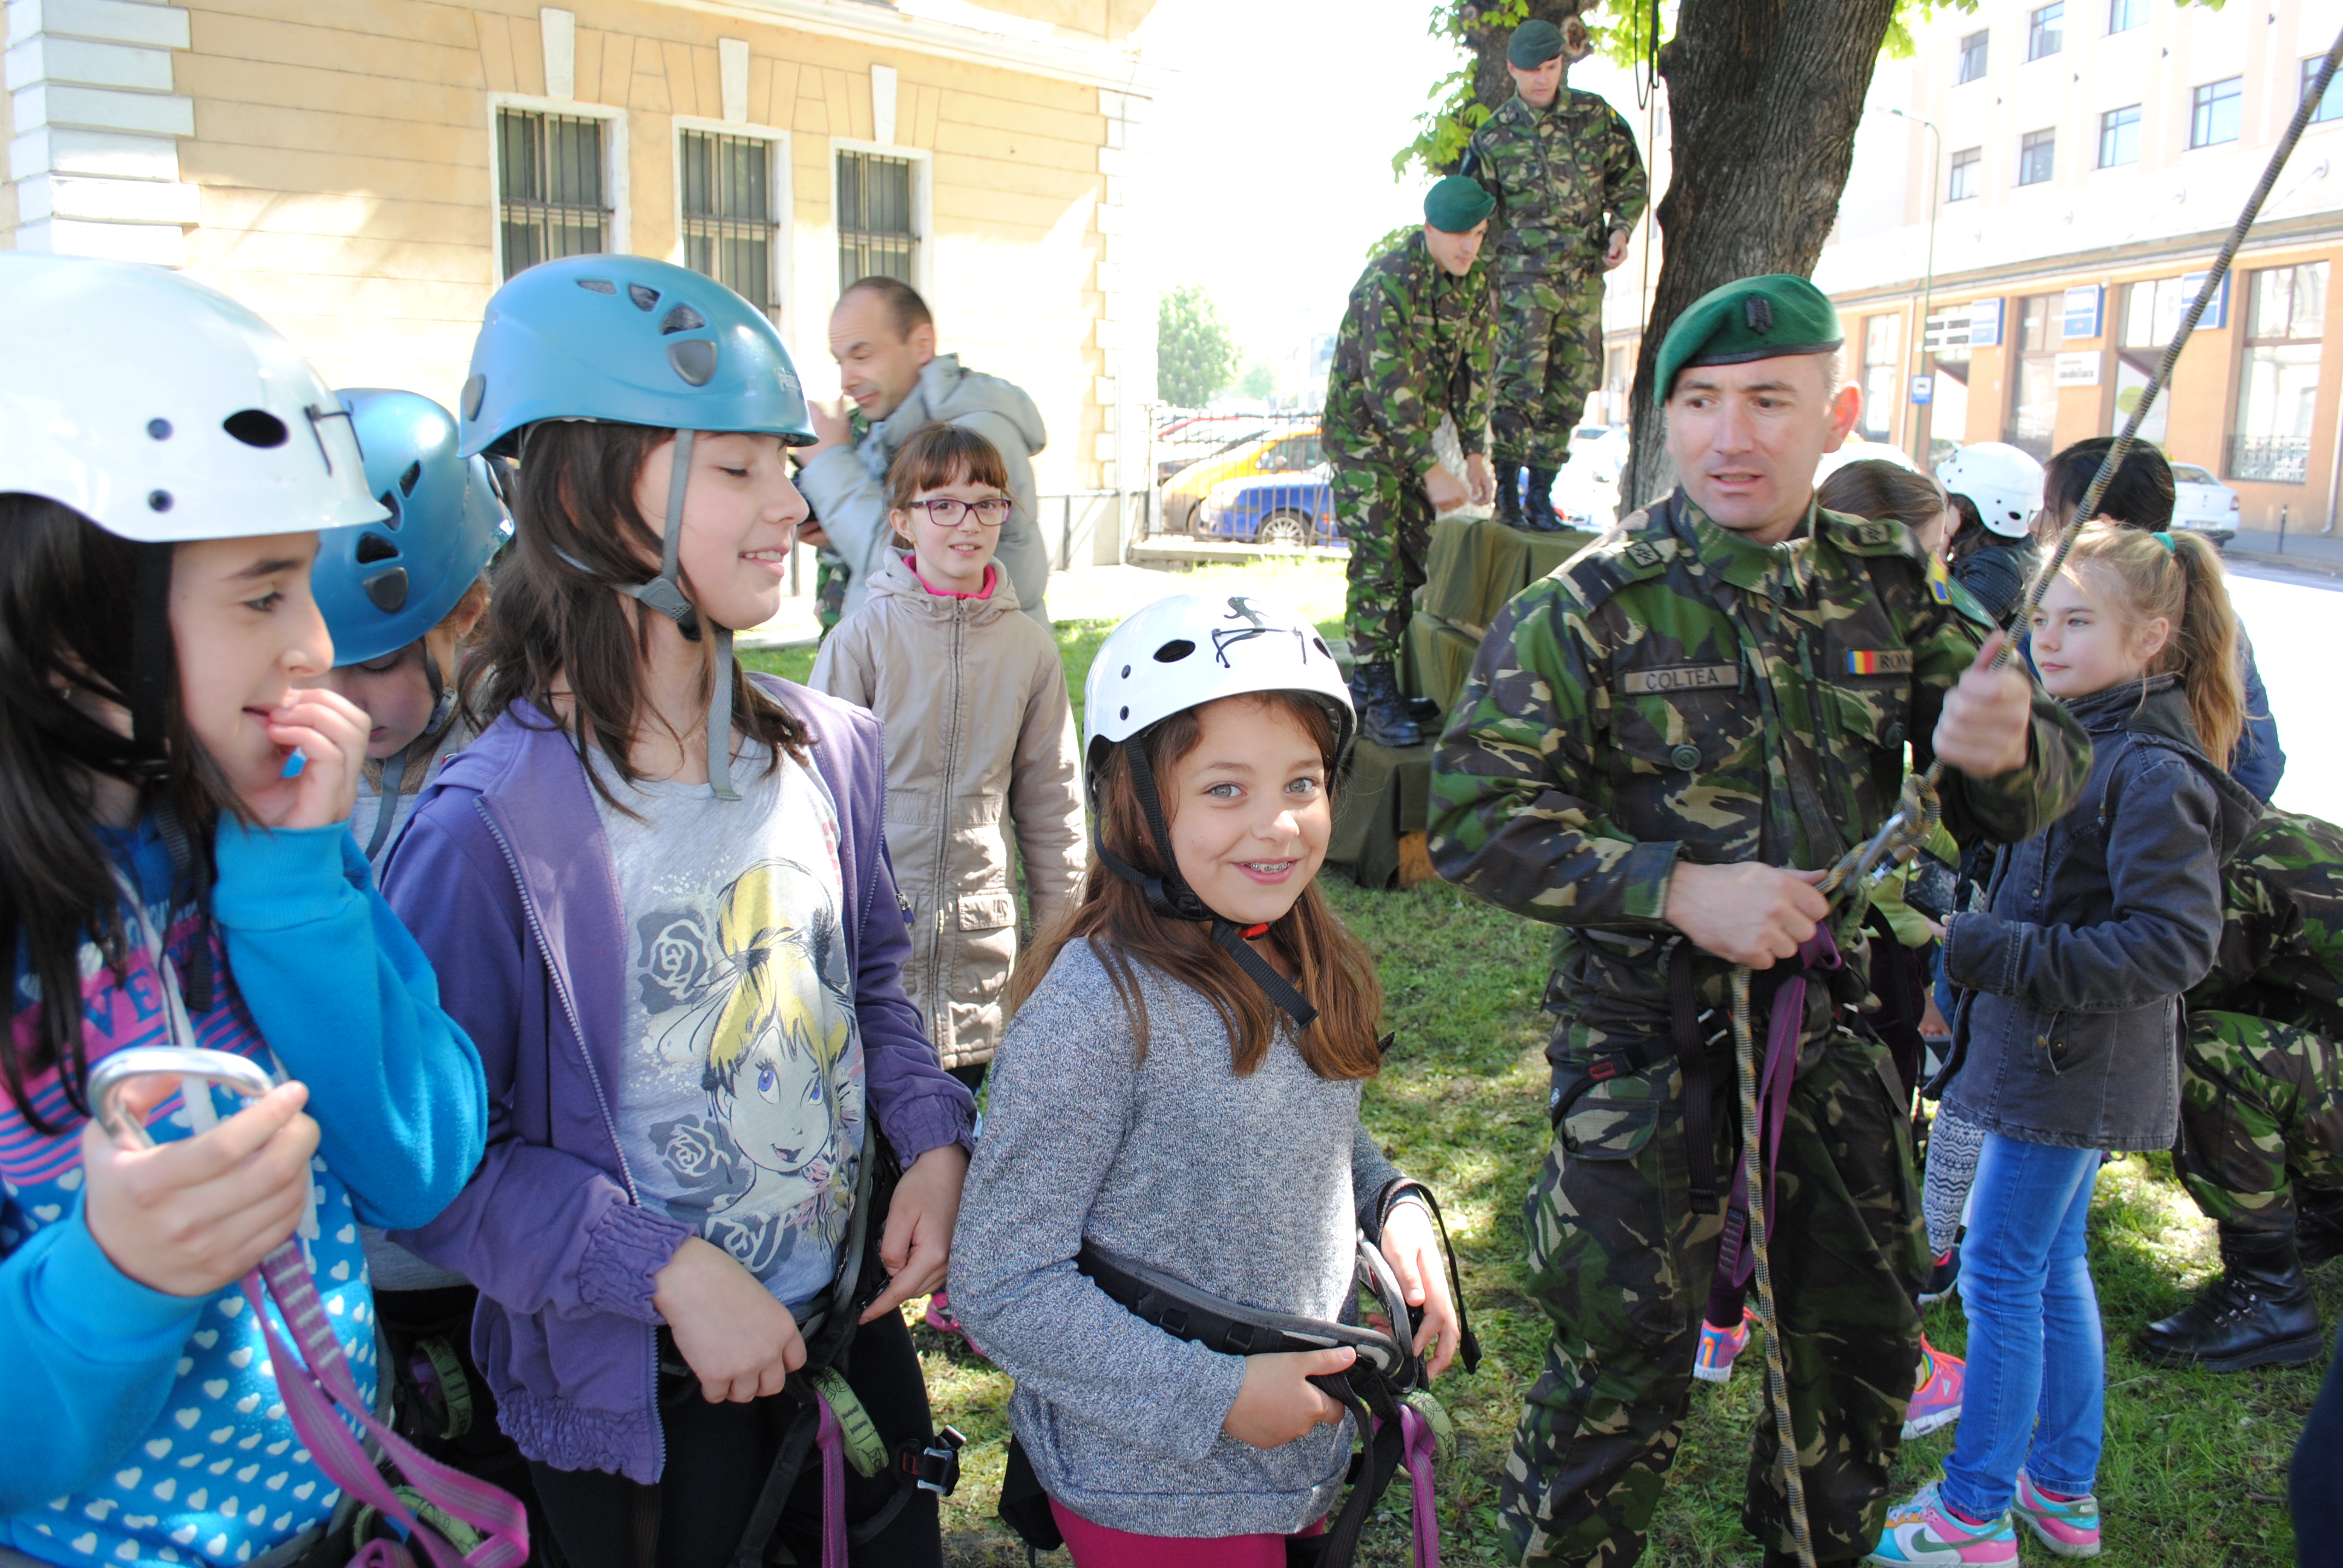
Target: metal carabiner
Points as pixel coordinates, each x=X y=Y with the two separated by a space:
x=189 y=1064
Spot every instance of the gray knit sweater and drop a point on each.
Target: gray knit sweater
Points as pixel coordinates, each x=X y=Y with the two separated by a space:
x=1248 y=1187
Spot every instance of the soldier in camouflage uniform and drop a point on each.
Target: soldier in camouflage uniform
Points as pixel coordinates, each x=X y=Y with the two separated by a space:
x=1414 y=345
x=2261 y=1102
x=1569 y=185
x=1653 y=740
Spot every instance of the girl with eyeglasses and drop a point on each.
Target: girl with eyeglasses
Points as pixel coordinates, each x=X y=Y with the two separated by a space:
x=972 y=694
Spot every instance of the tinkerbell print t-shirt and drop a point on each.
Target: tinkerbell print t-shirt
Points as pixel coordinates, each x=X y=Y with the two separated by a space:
x=741 y=1106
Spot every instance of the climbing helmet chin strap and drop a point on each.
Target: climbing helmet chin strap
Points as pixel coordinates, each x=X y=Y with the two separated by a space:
x=664 y=595
x=1171 y=897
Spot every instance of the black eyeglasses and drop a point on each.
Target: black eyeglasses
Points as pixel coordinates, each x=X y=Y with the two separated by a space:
x=947 y=513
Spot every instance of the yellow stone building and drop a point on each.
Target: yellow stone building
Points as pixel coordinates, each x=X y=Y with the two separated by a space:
x=365 y=172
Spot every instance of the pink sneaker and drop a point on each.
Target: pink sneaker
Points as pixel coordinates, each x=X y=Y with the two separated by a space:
x=2069 y=1528
x=1924 y=1530
x=1936 y=1402
x=1718 y=1348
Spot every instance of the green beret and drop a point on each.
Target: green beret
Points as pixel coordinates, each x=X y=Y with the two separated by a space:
x=1532 y=44
x=1764 y=318
x=1457 y=206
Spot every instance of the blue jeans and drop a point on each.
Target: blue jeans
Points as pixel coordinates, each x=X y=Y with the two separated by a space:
x=2038 y=1366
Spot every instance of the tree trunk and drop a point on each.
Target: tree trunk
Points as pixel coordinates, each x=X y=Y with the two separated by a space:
x=1485 y=34
x=1762 y=98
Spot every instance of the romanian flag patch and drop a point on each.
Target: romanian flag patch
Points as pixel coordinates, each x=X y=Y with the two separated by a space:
x=1879 y=661
x=1940 y=580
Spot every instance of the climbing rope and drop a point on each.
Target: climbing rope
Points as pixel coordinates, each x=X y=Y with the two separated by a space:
x=1852 y=878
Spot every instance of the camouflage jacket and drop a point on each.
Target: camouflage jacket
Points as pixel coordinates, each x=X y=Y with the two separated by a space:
x=1416 y=342
x=1675 y=691
x=2281 y=954
x=1564 y=178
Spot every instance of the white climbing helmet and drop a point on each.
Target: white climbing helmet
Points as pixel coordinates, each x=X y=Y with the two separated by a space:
x=1189 y=649
x=164 y=411
x=2005 y=482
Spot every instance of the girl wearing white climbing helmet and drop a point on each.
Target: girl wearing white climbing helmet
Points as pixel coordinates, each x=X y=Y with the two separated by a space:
x=657 y=893
x=174 y=870
x=1181 y=1087
x=1996 y=489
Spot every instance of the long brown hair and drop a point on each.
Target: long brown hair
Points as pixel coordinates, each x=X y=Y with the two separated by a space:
x=65 y=589
x=1333 y=969
x=551 y=618
x=2177 y=577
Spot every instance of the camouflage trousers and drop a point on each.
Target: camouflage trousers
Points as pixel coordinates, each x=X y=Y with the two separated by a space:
x=830 y=579
x=1621 y=1265
x=2261 y=1109
x=1549 y=362
x=1386 y=518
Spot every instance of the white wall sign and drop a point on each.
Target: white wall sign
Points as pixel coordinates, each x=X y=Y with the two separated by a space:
x=2079 y=369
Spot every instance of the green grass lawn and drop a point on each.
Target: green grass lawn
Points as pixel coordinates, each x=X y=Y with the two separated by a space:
x=2195 y=1469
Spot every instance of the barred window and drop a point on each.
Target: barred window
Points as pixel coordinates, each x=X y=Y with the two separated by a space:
x=728 y=213
x=552 y=202
x=878 y=235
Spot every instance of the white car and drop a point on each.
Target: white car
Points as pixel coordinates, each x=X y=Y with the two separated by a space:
x=2202 y=504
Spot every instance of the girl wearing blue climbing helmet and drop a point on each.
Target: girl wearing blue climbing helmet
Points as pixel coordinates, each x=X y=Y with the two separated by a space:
x=657 y=893
x=399 y=595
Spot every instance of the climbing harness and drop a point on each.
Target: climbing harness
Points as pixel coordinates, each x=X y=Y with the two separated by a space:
x=318 y=1392
x=1857 y=872
x=1386 y=1390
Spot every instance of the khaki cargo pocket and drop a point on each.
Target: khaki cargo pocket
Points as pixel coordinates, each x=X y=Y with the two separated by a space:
x=987 y=912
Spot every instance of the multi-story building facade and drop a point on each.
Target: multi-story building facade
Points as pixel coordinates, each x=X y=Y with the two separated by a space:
x=2077 y=163
x=364 y=174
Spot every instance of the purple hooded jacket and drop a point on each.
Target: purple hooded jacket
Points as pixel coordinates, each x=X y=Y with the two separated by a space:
x=505 y=877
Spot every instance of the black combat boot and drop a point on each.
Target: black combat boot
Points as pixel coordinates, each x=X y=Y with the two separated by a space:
x=2260 y=1313
x=1382 y=712
x=2318 y=1225
x=1537 y=507
x=1509 y=495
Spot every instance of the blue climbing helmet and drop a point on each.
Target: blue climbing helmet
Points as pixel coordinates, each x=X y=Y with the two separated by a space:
x=633 y=341
x=381 y=586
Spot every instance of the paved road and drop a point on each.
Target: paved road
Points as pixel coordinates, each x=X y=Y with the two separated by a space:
x=2296 y=619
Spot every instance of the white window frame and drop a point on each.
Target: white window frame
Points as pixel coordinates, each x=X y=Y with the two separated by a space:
x=614 y=170
x=923 y=214
x=780 y=179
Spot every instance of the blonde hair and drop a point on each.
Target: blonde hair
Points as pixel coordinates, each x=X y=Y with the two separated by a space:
x=2177 y=577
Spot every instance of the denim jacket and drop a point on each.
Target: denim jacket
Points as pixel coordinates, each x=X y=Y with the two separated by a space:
x=2069 y=1032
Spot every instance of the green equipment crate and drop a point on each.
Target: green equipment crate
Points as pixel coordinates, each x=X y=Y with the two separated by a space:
x=1440 y=656
x=1476 y=564
x=1389 y=796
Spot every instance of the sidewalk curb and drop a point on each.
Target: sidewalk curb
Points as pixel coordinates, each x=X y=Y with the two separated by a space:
x=2285 y=563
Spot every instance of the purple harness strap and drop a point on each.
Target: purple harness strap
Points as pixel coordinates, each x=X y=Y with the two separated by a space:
x=320 y=1398
x=1785 y=1020
x=833 y=1486
x=1421 y=1443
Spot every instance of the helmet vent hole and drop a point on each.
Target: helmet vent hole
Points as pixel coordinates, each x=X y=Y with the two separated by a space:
x=475 y=389
x=1126 y=672
x=390 y=499
x=159 y=500
x=159 y=429
x=1126 y=713
x=409 y=479
x=682 y=318
x=255 y=428
x=643 y=299
x=694 y=359
x=388 y=590
x=598 y=285
x=1172 y=652
x=373 y=548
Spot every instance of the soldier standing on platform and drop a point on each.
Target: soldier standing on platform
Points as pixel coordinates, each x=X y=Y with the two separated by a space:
x=1414 y=345
x=1660 y=747
x=1569 y=185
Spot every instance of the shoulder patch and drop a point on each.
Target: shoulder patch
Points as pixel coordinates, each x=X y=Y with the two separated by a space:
x=1610 y=563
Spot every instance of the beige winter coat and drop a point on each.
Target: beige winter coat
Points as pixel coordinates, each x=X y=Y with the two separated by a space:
x=972 y=694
